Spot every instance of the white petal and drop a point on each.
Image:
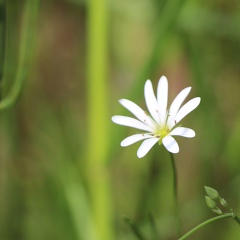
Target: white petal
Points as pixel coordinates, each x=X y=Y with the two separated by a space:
x=134 y=138
x=170 y=144
x=177 y=102
x=187 y=108
x=151 y=100
x=182 y=131
x=130 y=122
x=146 y=146
x=138 y=112
x=162 y=97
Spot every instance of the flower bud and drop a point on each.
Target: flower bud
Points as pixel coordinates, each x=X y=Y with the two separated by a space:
x=210 y=203
x=212 y=193
x=223 y=202
x=217 y=210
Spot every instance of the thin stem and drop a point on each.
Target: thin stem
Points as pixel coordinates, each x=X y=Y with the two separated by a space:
x=135 y=229
x=237 y=219
x=153 y=227
x=3 y=39
x=227 y=215
x=178 y=224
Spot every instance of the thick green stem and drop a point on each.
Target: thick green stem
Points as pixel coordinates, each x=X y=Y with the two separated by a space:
x=227 y=215
x=178 y=224
x=98 y=116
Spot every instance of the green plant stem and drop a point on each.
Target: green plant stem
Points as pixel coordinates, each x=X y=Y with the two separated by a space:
x=27 y=41
x=135 y=229
x=98 y=117
x=2 y=38
x=153 y=227
x=178 y=224
x=237 y=219
x=227 y=215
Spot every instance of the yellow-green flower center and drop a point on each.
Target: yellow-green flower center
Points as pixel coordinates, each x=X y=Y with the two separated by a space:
x=162 y=132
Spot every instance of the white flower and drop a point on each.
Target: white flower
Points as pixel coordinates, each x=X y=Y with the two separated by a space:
x=161 y=124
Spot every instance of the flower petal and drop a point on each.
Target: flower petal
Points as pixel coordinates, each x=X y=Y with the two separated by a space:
x=182 y=131
x=146 y=146
x=151 y=101
x=134 y=138
x=177 y=102
x=187 y=108
x=170 y=144
x=130 y=122
x=138 y=112
x=162 y=97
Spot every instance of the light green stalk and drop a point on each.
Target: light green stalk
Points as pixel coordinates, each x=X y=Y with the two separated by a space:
x=79 y=205
x=98 y=117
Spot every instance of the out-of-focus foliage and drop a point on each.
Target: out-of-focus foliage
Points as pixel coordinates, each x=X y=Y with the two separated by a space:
x=63 y=174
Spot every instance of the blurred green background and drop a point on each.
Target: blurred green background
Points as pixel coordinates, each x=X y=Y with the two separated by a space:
x=63 y=67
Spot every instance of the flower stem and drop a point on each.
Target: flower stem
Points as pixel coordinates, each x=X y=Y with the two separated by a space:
x=237 y=219
x=226 y=215
x=178 y=224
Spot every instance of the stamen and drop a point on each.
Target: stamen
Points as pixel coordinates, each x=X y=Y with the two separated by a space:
x=167 y=116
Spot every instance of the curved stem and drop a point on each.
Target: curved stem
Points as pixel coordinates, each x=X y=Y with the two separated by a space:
x=227 y=215
x=237 y=219
x=178 y=224
x=28 y=35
